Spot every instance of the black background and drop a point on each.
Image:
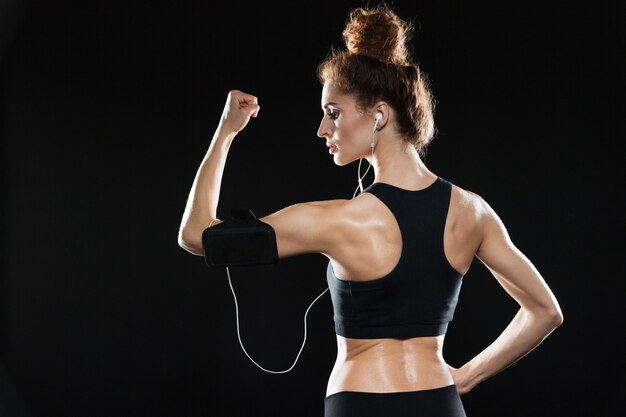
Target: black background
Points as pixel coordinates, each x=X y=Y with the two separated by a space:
x=107 y=110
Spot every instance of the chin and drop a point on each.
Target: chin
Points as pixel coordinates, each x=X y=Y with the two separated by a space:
x=339 y=161
x=345 y=160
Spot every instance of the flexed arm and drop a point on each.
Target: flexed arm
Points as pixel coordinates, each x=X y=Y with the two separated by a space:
x=201 y=208
x=539 y=312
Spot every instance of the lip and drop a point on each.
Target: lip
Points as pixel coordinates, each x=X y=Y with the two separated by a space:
x=330 y=144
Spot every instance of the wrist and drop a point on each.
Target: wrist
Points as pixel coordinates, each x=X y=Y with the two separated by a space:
x=223 y=135
x=467 y=377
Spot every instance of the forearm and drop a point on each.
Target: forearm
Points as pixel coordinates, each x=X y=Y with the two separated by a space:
x=525 y=332
x=202 y=202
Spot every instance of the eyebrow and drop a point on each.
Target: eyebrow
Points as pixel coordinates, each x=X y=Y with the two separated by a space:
x=330 y=103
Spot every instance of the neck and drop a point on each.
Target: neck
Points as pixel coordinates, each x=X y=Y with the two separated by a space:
x=397 y=162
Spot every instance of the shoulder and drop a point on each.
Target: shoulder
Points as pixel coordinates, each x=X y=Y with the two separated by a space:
x=474 y=211
x=487 y=222
x=467 y=203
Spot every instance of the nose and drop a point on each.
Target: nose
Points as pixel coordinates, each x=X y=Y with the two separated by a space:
x=324 y=130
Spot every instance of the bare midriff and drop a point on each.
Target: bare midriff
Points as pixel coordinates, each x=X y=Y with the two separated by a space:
x=389 y=365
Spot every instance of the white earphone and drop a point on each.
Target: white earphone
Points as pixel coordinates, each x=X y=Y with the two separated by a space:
x=379 y=117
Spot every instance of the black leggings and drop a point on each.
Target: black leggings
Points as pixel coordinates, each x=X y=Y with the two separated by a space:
x=437 y=402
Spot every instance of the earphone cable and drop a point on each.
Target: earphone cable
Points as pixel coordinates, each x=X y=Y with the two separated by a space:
x=239 y=334
x=368 y=168
x=317 y=298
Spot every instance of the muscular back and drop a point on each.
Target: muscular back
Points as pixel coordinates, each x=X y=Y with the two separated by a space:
x=370 y=242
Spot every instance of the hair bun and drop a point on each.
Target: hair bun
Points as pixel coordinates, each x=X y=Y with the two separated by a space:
x=378 y=33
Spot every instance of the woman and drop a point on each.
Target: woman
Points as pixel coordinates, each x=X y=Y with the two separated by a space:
x=398 y=251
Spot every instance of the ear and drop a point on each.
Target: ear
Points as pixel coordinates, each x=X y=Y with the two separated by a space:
x=383 y=108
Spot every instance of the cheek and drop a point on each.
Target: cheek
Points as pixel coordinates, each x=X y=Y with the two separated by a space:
x=342 y=129
x=347 y=132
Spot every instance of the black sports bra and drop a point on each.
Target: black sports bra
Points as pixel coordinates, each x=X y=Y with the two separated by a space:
x=419 y=296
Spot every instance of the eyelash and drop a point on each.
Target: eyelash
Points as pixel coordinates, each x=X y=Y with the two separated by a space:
x=333 y=115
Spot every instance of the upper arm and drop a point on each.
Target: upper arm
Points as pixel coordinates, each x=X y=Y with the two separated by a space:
x=517 y=275
x=311 y=227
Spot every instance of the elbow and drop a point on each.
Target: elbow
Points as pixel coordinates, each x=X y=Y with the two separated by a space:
x=557 y=317
x=552 y=317
x=190 y=242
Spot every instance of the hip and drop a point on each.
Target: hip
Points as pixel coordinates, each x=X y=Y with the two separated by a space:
x=437 y=402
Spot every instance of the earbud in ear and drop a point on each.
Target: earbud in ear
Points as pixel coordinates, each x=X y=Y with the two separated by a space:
x=379 y=116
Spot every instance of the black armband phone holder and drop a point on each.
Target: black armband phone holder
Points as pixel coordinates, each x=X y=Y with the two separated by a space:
x=242 y=241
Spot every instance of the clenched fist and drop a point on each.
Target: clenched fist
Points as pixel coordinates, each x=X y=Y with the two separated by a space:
x=238 y=109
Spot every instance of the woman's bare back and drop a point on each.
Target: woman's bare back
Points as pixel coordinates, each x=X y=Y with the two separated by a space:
x=371 y=250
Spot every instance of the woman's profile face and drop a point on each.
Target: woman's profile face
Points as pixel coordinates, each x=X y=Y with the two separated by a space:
x=344 y=126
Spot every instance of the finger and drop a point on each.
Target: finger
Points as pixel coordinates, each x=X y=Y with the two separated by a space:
x=255 y=110
x=249 y=98
x=242 y=97
x=248 y=104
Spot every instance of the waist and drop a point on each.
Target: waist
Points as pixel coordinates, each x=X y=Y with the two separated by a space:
x=429 y=347
x=389 y=365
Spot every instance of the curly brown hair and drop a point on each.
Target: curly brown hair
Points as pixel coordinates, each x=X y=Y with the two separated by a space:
x=376 y=66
